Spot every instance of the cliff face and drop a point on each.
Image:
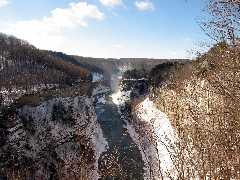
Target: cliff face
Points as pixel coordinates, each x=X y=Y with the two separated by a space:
x=204 y=111
x=60 y=138
x=201 y=101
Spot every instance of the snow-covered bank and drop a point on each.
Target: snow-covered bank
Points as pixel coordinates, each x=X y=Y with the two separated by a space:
x=99 y=90
x=99 y=94
x=120 y=97
x=157 y=138
x=152 y=132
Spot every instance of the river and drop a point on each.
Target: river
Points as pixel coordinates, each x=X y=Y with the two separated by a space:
x=123 y=159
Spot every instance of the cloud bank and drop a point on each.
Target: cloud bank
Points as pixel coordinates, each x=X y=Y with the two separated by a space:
x=38 y=32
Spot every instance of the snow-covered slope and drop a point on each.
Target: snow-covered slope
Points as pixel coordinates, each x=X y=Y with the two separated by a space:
x=60 y=137
x=157 y=139
x=7 y=97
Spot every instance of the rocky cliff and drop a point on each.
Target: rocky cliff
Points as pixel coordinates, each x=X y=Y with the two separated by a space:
x=60 y=138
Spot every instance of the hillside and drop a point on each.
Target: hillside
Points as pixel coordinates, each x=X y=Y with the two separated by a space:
x=59 y=138
x=197 y=117
x=202 y=102
x=26 y=69
x=48 y=124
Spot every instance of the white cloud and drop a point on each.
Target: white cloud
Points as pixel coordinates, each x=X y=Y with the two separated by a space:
x=76 y=15
x=38 y=33
x=3 y=2
x=44 y=33
x=111 y=3
x=144 y=5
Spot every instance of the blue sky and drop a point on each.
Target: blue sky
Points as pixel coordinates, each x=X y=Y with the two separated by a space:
x=106 y=28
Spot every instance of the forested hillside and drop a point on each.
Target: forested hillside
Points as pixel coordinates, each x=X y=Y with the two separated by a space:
x=202 y=100
x=111 y=66
x=24 y=67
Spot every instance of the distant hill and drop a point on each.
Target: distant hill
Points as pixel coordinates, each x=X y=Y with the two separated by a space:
x=111 y=66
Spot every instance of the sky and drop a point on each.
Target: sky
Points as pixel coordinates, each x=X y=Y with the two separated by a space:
x=106 y=28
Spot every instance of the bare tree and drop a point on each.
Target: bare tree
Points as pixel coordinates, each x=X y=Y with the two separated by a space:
x=223 y=21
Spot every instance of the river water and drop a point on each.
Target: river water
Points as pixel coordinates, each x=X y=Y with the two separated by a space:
x=123 y=159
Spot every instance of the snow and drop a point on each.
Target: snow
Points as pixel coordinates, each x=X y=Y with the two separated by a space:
x=102 y=100
x=165 y=137
x=132 y=79
x=120 y=97
x=15 y=93
x=97 y=77
x=98 y=94
x=15 y=127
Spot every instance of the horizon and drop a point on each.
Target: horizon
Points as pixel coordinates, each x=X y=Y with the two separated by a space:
x=110 y=29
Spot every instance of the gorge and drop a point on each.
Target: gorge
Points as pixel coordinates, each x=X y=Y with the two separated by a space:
x=68 y=117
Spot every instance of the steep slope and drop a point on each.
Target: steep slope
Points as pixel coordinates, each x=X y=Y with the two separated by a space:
x=204 y=109
x=60 y=138
x=201 y=101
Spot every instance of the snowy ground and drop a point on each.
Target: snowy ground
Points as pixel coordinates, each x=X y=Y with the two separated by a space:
x=99 y=90
x=120 y=97
x=99 y=95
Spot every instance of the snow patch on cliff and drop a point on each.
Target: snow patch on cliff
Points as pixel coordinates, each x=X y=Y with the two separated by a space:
x=8 y=96
x=97 y=77
x=163 y=141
